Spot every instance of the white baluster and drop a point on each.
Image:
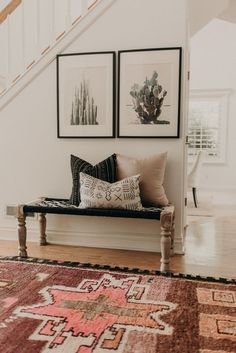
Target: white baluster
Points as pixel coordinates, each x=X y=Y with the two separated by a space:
x=15 y=43
x=53 y=22
x=30 y=33
x=68 y=15
x=4 y=33
x=23 y=64
x=84 y=6
x=8 y=53
x=91 y=3
x=75 y=11
x=8 y=70
x=62 y=18
x=46 y=25
x=2 y=84
x=38 y=48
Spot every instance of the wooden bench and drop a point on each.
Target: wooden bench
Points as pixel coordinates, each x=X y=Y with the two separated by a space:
x=45 y=206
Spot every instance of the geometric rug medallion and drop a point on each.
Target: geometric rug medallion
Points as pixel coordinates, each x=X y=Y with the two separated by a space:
x=52 y=307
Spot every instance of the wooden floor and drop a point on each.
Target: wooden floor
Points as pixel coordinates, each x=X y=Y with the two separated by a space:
x=210 y=248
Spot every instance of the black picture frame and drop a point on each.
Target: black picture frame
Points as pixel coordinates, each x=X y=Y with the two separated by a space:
x=86 y=103
x=149 y=92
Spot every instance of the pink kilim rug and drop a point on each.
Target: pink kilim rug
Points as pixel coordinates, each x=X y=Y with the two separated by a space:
x=52 y=307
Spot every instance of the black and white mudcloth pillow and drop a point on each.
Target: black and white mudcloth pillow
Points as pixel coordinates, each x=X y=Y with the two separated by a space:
x=96 y=193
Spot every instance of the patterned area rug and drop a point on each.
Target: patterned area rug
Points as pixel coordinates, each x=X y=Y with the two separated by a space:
x=65 y=307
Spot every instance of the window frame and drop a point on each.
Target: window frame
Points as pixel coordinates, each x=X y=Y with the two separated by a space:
x=222 y=96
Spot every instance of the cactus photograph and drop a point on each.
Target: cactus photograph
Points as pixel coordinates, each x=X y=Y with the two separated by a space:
x=148 y=99
x=83 y=108
x=149 y=92
x=86 y=95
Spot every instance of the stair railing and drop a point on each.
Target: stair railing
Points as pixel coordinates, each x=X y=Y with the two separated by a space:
x=30 y=28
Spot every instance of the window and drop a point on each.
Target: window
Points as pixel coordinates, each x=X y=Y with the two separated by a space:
x=207 y=124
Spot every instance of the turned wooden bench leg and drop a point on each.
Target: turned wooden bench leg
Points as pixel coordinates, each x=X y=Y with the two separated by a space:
x=42 y=228
x=167 y=234
x=22 y=232
x=172 y=235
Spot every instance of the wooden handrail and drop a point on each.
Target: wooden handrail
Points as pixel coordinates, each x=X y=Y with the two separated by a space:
x=9 y=9
x=15 y=73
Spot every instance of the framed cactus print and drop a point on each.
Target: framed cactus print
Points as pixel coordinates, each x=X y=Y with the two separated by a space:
x=86 y=95
x=149 y=92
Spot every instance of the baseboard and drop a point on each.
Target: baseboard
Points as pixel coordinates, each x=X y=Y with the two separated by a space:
x=179 y=246
x=114 y=240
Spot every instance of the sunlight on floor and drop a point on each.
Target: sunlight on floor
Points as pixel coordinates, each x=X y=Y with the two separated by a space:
x=210 y=235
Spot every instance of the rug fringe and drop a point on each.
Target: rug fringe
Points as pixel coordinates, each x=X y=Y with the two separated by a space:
x=72 y=264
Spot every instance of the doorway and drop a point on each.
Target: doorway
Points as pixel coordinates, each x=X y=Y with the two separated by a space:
x=211 y=126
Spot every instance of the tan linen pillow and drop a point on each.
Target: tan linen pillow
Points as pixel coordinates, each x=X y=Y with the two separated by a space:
x=96 y=193
x=151 y=170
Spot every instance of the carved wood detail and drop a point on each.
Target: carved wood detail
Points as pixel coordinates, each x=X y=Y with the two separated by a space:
x=167 y=236
x=42 y=227
x=22 y=235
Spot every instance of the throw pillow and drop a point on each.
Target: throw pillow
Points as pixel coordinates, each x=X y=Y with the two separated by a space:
x=96 y=193
x=105 y=170
x=151 y=170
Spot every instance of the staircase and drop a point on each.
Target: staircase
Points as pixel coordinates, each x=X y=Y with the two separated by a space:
x=33 y=32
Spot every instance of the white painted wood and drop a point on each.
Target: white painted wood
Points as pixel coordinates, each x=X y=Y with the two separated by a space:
x=33 y=28
x=58 y=47
x=75 y=10
x=22 y=18
x=84 y=6
x=2 y=83
x=90 y=3
x=38 y=54
x=68 y=19
x=30 y=31
x=61 y=13
x=53 y=18
x=4 y=52
x=45 y=24
x=15 y=43
x=8 y=70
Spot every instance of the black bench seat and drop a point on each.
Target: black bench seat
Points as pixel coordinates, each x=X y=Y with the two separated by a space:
x=63 y=206
x=45 y=206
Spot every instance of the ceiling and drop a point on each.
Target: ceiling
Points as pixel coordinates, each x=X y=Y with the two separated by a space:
x=202 y=12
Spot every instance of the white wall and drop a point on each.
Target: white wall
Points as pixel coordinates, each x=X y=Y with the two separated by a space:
x=212 y=65
x=35 y=163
